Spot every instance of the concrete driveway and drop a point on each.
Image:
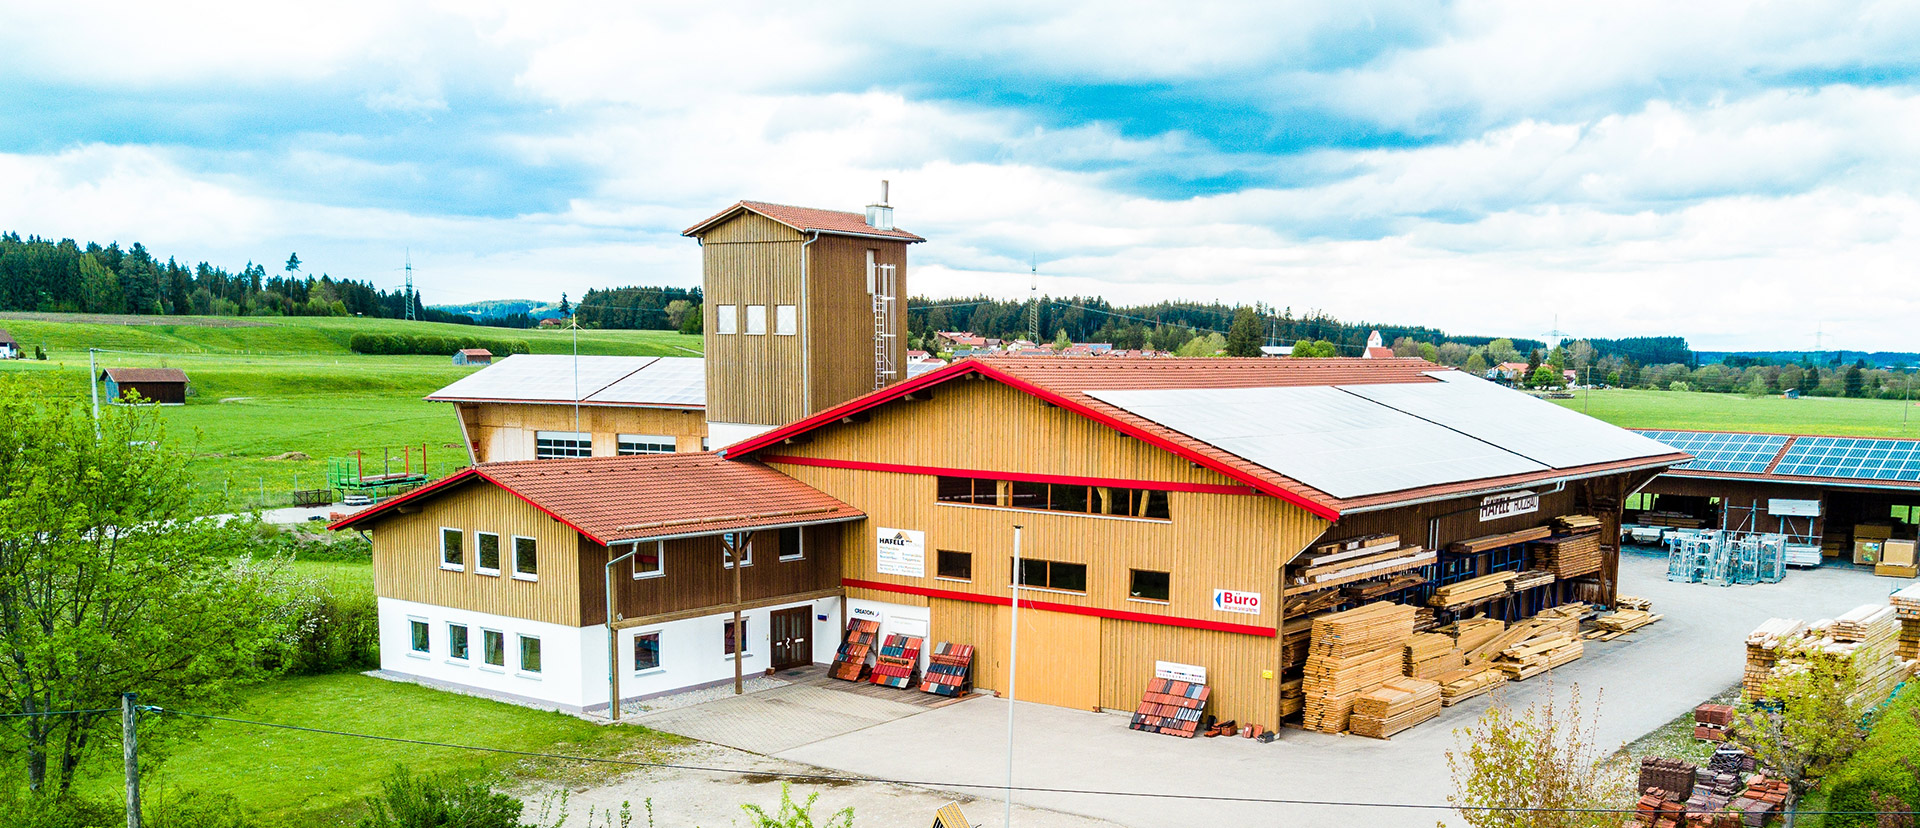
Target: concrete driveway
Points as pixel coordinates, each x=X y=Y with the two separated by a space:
x=1642 y=680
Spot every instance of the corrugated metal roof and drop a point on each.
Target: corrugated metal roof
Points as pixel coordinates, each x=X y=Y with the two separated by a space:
x=674 y=382
x=1521 y=423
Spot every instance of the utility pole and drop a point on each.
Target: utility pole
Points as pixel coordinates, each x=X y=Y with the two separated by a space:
x=93 y=384
x=1013 y=667
x=130 y=744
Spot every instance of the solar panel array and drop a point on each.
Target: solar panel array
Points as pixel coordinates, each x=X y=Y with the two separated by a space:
x=1859 y=458
x=678 y=381
x=1717 y=451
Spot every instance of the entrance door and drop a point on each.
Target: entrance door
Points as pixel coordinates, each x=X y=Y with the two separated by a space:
x=792 y=638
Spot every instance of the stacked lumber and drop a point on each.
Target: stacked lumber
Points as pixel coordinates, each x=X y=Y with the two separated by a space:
x=1625 y=621
x=1532 y=578
x=1470 y=633
x=1565 y=618
x=1430 y=654
x=1763 y=652
x=1630 y=602
x=1472 y=590
x=1474 y=546
x=1864 y=641
x=1291 y=698
x=1470 y=682
x=1352 y=652
x=1906 y=605
x=1309 y=603
x=1568 y=556
x=1425 y=619
x=1395 y=706
x=1538 y=655
x=1862 y=623
x=1369 y=590
x=1320 y=571
x=1577 y=523
x=1296 y=636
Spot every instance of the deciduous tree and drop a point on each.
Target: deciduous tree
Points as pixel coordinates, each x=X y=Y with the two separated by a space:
x=1809 y=725
x=1542 y=767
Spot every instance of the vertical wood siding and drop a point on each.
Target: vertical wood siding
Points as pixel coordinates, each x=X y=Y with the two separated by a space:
x=1235 y=665
x=697 y=577
x=505 y=431
x=406 y=557
x=1059 y=658
x=841 y=310
x=752 y=260
x=966 y=622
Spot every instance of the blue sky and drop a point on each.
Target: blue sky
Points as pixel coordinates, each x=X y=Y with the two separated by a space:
x=1739 y=174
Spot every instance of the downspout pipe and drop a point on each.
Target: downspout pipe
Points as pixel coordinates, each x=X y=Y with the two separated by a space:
x=613 y=636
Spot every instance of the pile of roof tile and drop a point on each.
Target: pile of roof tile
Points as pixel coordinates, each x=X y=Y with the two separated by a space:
x=1352 y=652
x=1395 y=706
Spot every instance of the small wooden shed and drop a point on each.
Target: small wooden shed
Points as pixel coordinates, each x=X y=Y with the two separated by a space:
x=165 y=386
x=473 y=356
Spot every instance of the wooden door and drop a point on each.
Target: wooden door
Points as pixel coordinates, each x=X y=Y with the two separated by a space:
x=792 y=638
x=1059 y=657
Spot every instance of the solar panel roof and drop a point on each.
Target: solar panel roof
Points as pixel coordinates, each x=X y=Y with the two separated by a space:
x=1718 y=451
x=677 y=381
x=1859 y=458
x=609 y=380
x=1521 y=423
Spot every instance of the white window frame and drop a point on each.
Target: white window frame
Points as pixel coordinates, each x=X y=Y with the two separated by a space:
x=660 y=555
x=726 y=554
x=453 y=567
x=651 y=440
x=756 y=320
x=781 y=552
x=726 y=319
x=526 y=576
x=415 y=622
x=486 y=665
x=477 y=567
x=740 y=648
x=520 y=656
x=659 y=650
x=786 y=320
x=575 y=437
x=461 y=660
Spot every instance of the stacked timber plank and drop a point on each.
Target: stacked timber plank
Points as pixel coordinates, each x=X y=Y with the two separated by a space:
x=1430 y=654
x=1625 y=621
x=1529 y=659
x=1569 y=556
x=1470 y=633
x=1519 y=652
x=1630 y=602
x=1352 y=652
x=1395 y=706
x=1345 y=562
x=1577 y=523
x=1906 y=604
x=1472 y=590
x=1530 y=579
x=1865 y=641
x=1292 y=699
x=1763 y=652
x=1484 y=543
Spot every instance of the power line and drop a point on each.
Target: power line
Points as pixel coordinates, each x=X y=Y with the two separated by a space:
x=822 y=777
x=58 y=713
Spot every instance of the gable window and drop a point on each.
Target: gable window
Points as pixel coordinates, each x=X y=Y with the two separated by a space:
x=786 y=320
x=529 y=654
x=632 y=444
x=1117 y=501
x=726 y=550
x=419 y=641
x=526 y=561
x=453 y=552
x=646 y=652
x=486 y=553
x=954 y=566
x=493 y=648
x=649 y=559
x=552 y=445
x=728 y=642
x=1060 y=575
x=756 y=320
x=1149 y=585
x=457 y=641
x=792 y=547
x=725 y=319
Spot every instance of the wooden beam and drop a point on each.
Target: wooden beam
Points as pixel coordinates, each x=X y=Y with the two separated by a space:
x=743 y=606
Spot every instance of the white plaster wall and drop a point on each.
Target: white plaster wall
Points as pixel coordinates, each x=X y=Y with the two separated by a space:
x=721 y=435
x=561 y=650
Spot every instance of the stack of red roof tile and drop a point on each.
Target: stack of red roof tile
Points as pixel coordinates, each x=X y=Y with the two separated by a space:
x=1171 y=707
x=897 y=661
x=850 y=664
x=949 y=669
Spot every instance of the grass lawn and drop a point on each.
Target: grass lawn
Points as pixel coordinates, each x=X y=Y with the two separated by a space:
x=295 y=778
x=1739 y=412
x=65 y=334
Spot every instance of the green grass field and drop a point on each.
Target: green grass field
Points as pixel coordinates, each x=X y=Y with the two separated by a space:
x=1738 y=412
x=262 y=388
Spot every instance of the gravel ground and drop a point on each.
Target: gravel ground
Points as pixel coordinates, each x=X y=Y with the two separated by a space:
x=752 y=684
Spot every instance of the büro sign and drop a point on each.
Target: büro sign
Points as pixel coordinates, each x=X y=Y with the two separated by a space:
x=1227 y=600
x=1495 y=507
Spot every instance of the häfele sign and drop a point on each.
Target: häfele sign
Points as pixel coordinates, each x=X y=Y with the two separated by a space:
x=1495 y=507
x=901 y=552
x=1227 y=600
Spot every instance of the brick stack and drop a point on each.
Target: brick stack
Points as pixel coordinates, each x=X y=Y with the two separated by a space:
x=1673 y=776
x=1710 y=722
x=1761 y=800
x=1352 y=652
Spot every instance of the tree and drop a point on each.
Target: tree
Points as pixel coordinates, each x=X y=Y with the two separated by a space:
x=1811 y=725
x=1533 y=362
x=1544 y=757
x=99 y=288
x=1545 y=377
x=1756 y=385
x=1061 y=342
x=691 y=322
x=1852 y=380
x=1501 y=350
x=1429 y=352
x=1476 y=365
x=565 y=309
x=1203 y=346
x=293 y=263
x=1243 y=336
x=108 y=585
x=1454 y=353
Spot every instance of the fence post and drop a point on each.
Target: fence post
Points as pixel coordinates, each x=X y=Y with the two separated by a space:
x=130 y=743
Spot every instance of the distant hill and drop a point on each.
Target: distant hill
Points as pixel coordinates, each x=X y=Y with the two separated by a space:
x=503 y=308
x=1877 y=359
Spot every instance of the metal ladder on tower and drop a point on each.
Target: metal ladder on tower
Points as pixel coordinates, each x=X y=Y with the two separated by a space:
x=883 y=371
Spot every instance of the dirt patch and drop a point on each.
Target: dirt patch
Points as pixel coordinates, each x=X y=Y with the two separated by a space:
x=131 y=319
x=236 y=399
x=291 y=455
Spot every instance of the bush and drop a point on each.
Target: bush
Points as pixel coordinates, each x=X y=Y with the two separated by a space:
x=334 y=634
x=440 y=801
x=430 y=344
x=196 y=809
x=1888 y=765
x=20 y=809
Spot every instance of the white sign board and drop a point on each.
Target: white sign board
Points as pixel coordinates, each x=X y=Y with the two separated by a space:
x=1495 y=507
x=1180 y=672
x=1227 y=600
x=1793 y=508
x=902 y=552
x=868 y=614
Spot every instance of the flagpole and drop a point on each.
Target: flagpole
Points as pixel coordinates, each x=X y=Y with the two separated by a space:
x=1013 y=667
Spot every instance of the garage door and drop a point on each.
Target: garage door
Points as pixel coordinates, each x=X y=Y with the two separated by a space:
x=1059 y=658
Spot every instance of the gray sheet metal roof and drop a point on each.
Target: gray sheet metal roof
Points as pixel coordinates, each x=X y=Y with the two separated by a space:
x=592 y=380
x=1521 y=423
x=1325 y=437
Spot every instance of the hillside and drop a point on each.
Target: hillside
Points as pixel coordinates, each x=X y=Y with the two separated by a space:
x=67 y=333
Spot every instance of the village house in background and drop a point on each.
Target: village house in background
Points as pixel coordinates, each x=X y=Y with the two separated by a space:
x=162 y=386
x=473 y=356
x=9 y=348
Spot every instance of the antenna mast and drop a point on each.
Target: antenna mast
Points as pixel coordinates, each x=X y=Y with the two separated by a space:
x=410 y=313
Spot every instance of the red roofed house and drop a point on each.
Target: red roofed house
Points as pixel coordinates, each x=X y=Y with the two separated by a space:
x=473 y=356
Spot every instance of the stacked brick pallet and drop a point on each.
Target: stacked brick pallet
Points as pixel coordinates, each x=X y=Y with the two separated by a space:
x=897 y=661
x=1171 y=707
x=1395 y=706
x=1906 y=604
x=948 y=670
x=850 y=663
x=1710 y=722
x=1674 y=794
x=1352 y=652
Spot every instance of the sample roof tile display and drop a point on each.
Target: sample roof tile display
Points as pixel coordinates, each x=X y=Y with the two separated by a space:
x=616 y=499
x=673 y=382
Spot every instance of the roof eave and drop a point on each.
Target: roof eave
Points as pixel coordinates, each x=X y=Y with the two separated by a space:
x=1415 y=498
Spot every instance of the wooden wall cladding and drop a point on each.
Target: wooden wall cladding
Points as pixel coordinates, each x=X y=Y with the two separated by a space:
x=406 y=557
x=505 y=431
x=752 y=260
x=1235 y=666
x=840 y=339
x=697 y=577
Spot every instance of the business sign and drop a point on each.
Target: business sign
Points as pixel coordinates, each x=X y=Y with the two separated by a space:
x=867 y=614
x=1495 y=507
x=1793 y=508
x=1180 y=672
x=902 y=552
x=1227 y=600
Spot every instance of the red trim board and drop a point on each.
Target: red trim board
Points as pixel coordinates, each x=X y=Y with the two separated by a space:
x=1070 y=609
x=861 y=465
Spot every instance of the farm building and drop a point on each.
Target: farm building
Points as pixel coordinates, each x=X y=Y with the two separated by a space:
x=165 y=386
x=473 y=356
x=542 y=407
x=9 y=347
x=1173 y=515
x=1843 y=494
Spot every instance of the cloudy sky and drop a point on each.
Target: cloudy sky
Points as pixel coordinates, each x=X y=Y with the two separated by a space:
x=1742 y=174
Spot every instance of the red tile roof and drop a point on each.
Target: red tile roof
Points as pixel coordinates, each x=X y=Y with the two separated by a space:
x=614 y=499
x=1065 y=382
x=473 y=352
x=144 y=374
x=807 y=220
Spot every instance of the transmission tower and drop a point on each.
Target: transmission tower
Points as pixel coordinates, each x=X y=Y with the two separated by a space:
x=1033 y=304
x=410 y=317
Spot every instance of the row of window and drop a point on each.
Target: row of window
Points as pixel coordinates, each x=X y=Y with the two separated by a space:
x=549 y=445
x=493 y=646
x=726 y=319
x=1144 y=584
x=1116 y=501
x=486 y=553
x=649 y=558
x=646 y=646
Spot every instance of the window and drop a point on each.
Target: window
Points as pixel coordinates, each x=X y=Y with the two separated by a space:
x=526 y=564
x=529 y=654
x=457 y=641
x=421 y=644
x=724 y=320
x=646 y=652
x=955 y=566
x=1067 y=577
x=726 y=550
x=706 y=444
x=493 y=648
x=453 y=552
x=786 y=320
x=486 y=553
x=729 y=642
x=1148 y=585
x=631 y=444
x=549 y=445
x=756 y=320
x=649 y=559
x=791 y=545
x=1118 y=501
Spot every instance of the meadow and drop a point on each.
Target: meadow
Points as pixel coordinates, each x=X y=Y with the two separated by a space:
x=1739 y=412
